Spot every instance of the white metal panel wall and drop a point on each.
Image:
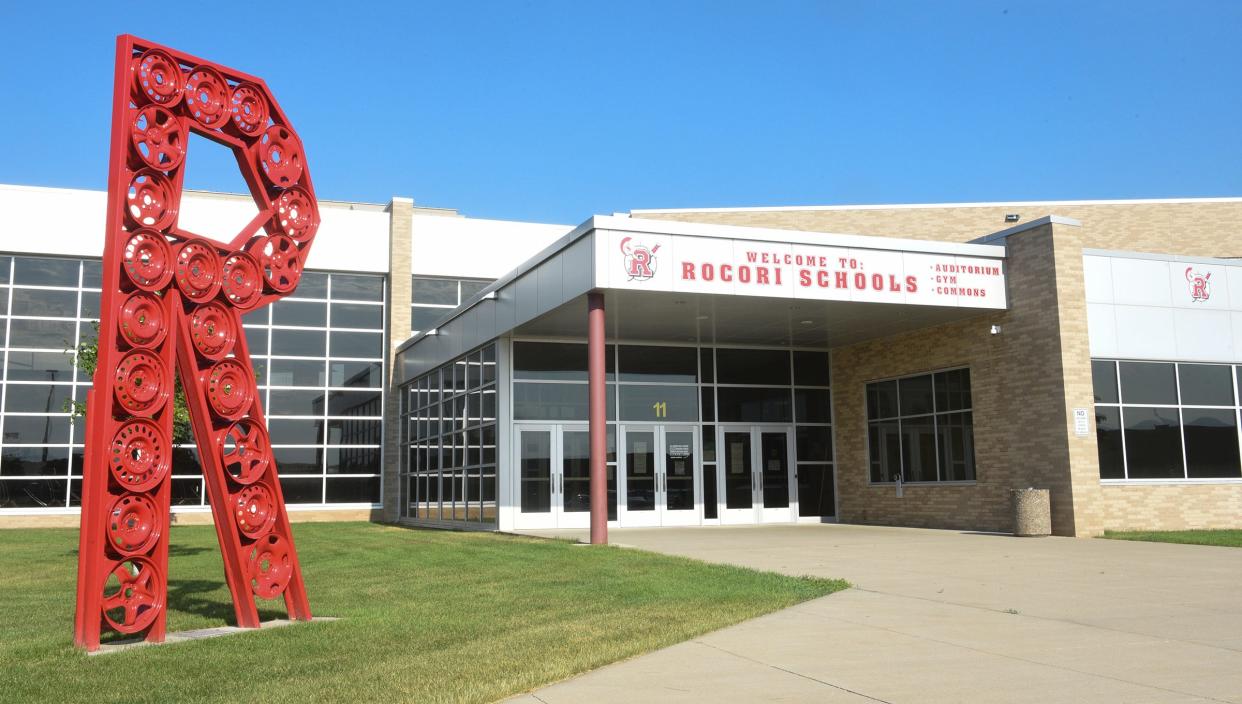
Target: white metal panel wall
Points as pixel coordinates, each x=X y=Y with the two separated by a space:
x=1142 y=306
x=349 y=239
x=476 y=248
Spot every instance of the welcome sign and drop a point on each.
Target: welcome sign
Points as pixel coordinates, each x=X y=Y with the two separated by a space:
x=735 y=267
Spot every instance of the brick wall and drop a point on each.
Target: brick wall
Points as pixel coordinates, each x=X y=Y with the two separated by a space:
x=1023 y=384
x=1194 y=228
x=1039 y=448
x=400 y=237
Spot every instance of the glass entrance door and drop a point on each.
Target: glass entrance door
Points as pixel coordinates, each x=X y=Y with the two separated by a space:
x=554 y=476
x=661 y=472
x=758 y=475
x=774 y=476
x=538 y=485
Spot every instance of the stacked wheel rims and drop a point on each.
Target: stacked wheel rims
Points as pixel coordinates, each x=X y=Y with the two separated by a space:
x=173 y=300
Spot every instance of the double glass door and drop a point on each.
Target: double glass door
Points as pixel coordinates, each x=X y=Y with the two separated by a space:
x=554 y=476
x=661 y=471
x=758 y=474
x=656 y=479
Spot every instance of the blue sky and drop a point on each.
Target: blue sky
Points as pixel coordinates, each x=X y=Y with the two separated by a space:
x=553 y=111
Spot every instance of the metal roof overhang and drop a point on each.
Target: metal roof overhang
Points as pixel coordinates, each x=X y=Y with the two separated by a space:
x=546 y=296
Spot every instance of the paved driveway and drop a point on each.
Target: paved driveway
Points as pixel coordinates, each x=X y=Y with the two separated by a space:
x=941 y=616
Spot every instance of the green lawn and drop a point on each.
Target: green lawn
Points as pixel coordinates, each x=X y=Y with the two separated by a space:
x=1224 y=538
x=428 y=616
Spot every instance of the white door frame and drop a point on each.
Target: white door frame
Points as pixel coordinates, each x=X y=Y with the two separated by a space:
x=789 y=512
x=542 y=519
x=680 y=517
x=627 y=518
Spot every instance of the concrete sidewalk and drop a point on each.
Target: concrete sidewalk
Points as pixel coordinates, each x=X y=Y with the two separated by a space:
x=940 y=616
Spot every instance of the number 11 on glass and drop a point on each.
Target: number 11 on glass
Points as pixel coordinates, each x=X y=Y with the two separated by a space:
x=660 y=408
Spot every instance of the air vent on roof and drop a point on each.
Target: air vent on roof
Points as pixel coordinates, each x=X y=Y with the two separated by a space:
x=1011 y=217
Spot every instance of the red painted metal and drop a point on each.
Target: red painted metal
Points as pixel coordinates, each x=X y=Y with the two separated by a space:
x=173 y=300
x=597 y=419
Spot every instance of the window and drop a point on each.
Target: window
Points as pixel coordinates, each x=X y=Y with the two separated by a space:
x=433 y=298
x=921 y=429
x=448 y=426
x=1166 y=420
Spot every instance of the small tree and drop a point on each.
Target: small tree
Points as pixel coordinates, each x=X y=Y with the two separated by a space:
x=86 y=359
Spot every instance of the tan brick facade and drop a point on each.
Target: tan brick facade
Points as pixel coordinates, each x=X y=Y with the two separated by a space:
x=1023 y=385
x=1203 y=228
x=400 y=239
x=1026 y=380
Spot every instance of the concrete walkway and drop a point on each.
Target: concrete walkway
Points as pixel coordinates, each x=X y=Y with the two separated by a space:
x=940 y=616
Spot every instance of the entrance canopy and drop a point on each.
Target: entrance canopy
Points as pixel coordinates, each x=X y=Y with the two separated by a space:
x=675 y=281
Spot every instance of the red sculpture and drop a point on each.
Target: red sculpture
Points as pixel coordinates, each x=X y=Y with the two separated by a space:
x=172 y=297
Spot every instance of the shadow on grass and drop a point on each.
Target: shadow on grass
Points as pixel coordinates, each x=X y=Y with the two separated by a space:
x=185 y=595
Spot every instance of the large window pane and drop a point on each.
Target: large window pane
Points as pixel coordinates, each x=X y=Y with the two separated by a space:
x=915 y=395
x=956 y=438
x=754 y=405
x=357 y=344
x=675 y=365
x=40 y=366
x=295 y=431
x=296 y=372
x=357 y=287
x=357 y=315
x=40 y=271
x=46 y=334
x=35 y=461
x=815 y=490
x=311 y=285
x=291 y=402
x=1211 y=442
x=882 y=400
x=309 y=314
x=353 y=460
x=812 y=406
x=299 y=343
x=1104 y=381
x=37 y=398
x=32 y=493
x=354 y=403
x=434 y=291
x=1153 y=441
x=1148 y=382
x=360 y=374
x=810 y=368
x=742 y=366
x=1205 y=384
x=814 y=443
x=884 y=450
x=46 y=304
x=644 y=402
x=953 y=390
x=918 y=449
x=1108 y=441
x=532 y=401
x=548 y=361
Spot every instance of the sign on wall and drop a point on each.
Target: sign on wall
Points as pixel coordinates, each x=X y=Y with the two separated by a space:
x=687 y=264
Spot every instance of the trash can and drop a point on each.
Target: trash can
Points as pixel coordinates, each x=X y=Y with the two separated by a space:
x=1032 y=513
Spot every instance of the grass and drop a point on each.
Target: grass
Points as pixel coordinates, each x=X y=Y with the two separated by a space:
x=429 y=616
x=1224 y=538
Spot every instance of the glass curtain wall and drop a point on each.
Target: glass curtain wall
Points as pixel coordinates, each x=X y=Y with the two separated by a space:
x=320 y=366
x=699 y=386
x=1167 y=420
x=448 y=473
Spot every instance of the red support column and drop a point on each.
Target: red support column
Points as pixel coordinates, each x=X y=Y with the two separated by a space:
x=597 y=418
